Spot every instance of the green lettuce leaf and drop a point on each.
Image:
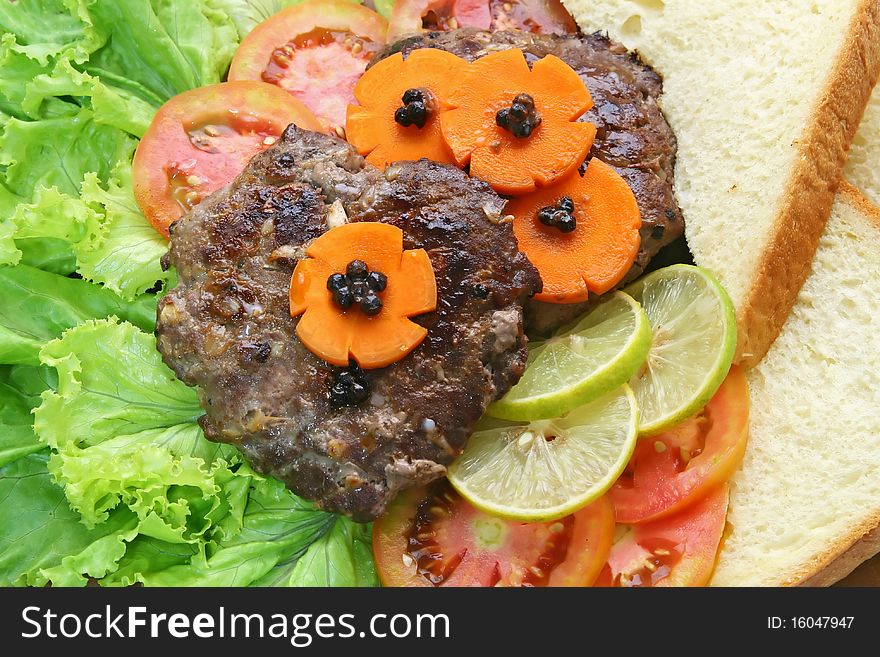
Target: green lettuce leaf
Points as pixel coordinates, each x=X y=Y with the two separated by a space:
x=17 y=437
x=343 y=556
x=42 y=540
x=247 y=14
x=37 y=307
x=59 y=152
x=111 y=382
x=48 y=28
x=161 y=48
x=283 y=542
x=125 y=252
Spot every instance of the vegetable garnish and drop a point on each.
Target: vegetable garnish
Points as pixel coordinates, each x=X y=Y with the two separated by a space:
x=593 y=250
x=202 y=139
x=431 y=536
x=676 y=551
x=400 y=100
x=407 y=288
x=316 y=51
x=678 y=467
x=522 y=152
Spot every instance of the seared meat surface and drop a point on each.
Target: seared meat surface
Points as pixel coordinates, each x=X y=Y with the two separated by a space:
x=633 y=136
x=227 y=329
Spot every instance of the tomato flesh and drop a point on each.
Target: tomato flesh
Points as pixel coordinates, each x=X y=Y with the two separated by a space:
x=674 y=469
x=540 y=16
x=199 y=141
x=679 y=550
x=432 y=537
x=316 y=51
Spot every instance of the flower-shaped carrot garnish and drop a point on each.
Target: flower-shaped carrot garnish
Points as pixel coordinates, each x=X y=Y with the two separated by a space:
x=517 y=126
x=355 y=292
x=582 y=233
x=400 y=101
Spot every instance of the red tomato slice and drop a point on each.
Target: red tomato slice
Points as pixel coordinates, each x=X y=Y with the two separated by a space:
x=200 y=140
x=541 y=16
x=676 y=551
x=670 y=471
x=432 y=537
x=316 y=51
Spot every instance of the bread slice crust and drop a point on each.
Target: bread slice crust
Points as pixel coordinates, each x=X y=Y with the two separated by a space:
x=785 y=262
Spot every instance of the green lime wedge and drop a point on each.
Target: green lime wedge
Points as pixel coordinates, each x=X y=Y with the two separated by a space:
x=599 y=353
x=694 y=327
x=548 y=469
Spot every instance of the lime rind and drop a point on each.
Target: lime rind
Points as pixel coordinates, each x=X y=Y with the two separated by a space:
x=694 y=325
x=598 y=354
x=548 y=469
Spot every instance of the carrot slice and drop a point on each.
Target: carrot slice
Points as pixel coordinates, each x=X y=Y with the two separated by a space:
x=371 y=127
x=336 y=335
x=598 y=253
x=516 y=165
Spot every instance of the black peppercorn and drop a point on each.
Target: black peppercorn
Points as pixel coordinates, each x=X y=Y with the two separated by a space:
x=559 y=216
x=371 y=305
x=377 y=281
x=336 y=282
x=416 y=109
x=521 y=118
x=357 y=270
x=350 y=387
x=358 y=286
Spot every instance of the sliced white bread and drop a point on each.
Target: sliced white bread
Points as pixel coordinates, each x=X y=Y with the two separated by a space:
x=863 y=166
x=764 y=98
x=805 y=507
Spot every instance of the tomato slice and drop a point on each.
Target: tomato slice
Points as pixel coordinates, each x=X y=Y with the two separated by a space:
x=316 y=51
x=200 y=140
x=679 y=550
x=674 y=469
x=540 y=16
x=432 y=537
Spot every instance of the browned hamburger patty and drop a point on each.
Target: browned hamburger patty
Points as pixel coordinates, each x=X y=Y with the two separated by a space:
x=633 y=136
x=227 y=328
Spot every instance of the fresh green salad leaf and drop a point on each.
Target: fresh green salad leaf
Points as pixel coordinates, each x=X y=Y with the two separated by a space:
x=247 y=14
x=111 y=383
x=37 y=306
x=125 y=252
x=42 y=540
x=17 y=437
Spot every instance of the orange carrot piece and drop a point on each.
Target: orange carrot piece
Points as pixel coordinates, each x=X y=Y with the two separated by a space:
x=516 y=165
x=337 y=335
x=599 y=252
x=371 y=128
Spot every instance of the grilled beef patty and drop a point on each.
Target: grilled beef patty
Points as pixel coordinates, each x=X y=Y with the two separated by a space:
x=633 y=136
x=227 y=327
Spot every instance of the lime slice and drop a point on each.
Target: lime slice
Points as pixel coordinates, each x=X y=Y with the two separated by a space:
x=694 y=328
x=548 y=469
x=599 y=353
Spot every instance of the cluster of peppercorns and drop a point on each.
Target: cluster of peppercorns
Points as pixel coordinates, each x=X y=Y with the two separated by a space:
x=521 y=118
x=415 y=110
x=559 y=216
x=350 y=387
x=358 y=286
